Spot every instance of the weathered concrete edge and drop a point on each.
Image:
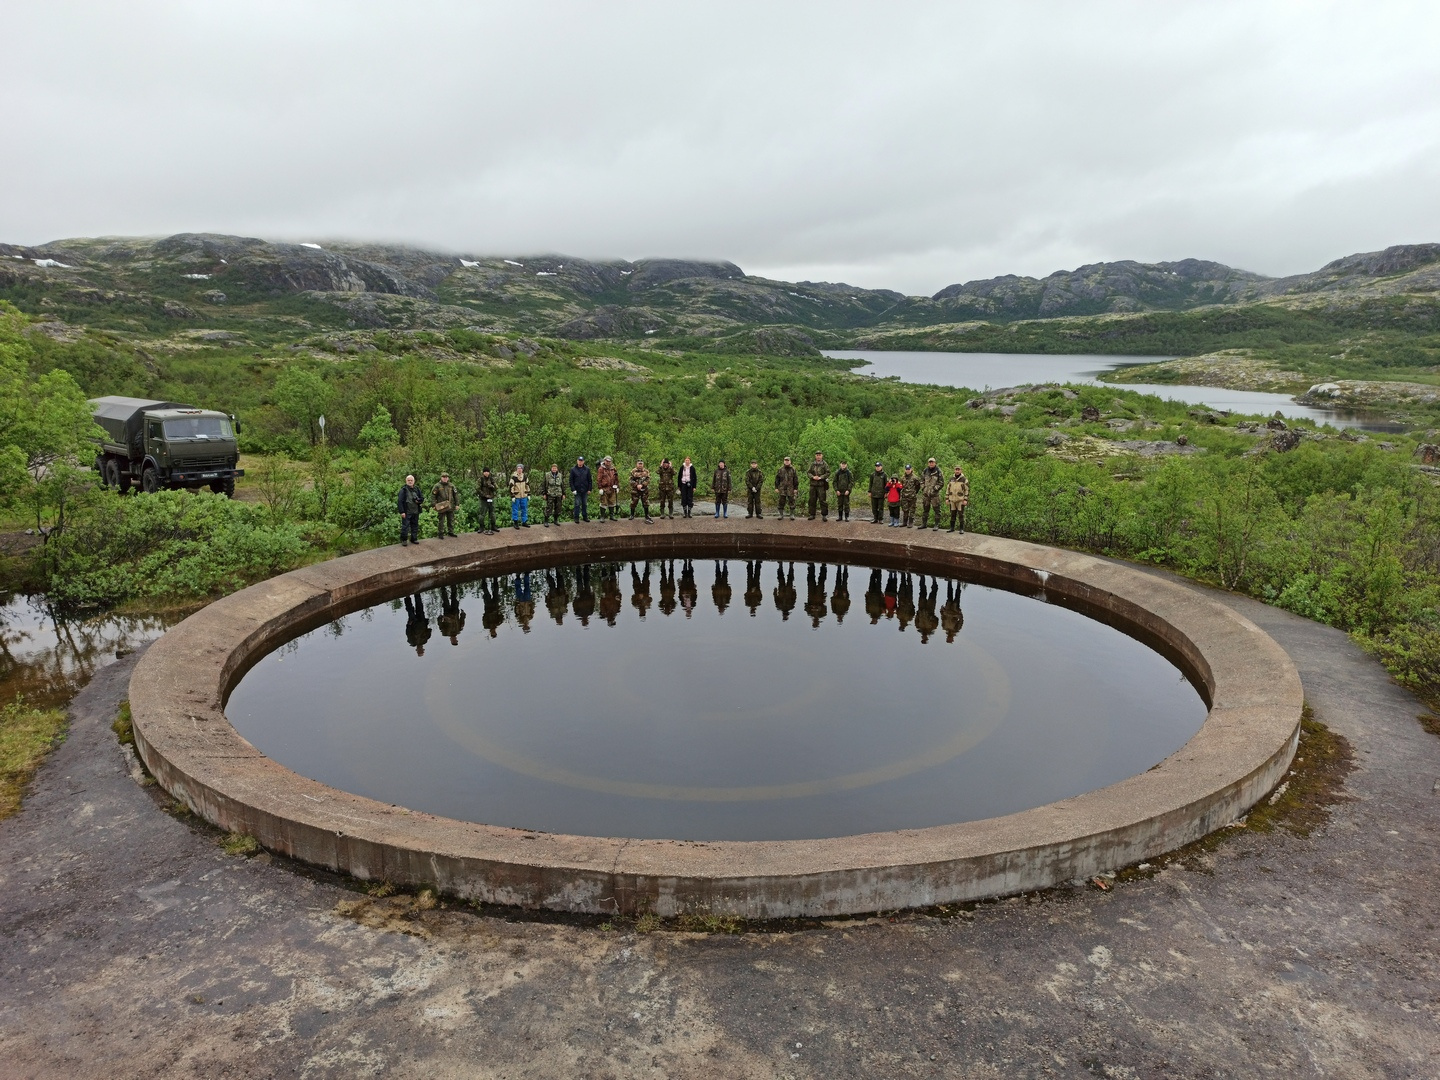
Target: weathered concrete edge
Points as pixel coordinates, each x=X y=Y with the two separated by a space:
x=1241 y=751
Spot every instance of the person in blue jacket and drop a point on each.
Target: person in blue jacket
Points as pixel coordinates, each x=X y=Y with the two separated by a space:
x=580 y=484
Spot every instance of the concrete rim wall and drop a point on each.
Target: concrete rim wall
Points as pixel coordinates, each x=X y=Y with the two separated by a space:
x=1242 y=750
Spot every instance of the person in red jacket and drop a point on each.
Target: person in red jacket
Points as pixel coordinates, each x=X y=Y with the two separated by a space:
x=892 y=498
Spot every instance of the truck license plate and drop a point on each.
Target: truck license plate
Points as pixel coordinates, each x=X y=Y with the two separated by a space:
x=209 y=475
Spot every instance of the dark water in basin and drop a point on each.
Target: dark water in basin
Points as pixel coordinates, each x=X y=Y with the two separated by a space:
x=716 y=700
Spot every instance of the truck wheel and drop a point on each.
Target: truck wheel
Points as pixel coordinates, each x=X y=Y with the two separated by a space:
x=150 y=480
x=111 y=473
x=224 y=487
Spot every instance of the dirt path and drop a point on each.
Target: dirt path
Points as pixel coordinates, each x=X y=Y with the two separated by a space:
x=131 y=945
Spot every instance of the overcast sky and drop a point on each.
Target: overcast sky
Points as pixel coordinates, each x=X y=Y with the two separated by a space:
x=899 y=145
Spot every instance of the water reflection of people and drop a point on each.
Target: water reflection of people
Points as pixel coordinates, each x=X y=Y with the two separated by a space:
x=610 y=598
x=584 y=605
x=905 y=602
x=785 y=595
x=754 y=591
x=892 y=594
x=452 y=619
x=417 y=624
x=640 y=589
x=951 y=617
x=557 y=598
x=720 y=592
x=874 y=597
x=840 y=595
x=926 y=620
x=667 y=586
x=815 y=594
x=524 y=601
x=494 y=614
x=689 y=594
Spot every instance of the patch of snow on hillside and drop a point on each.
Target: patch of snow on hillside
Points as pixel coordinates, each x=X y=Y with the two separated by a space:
x=196 y=277
x=512 y=262
x=317 y=247
x=52 y=262
x=545 y=273
x=468 y=264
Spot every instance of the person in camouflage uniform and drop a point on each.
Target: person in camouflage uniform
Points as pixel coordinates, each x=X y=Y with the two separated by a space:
x=754 y=481
x=844 y=483
x=957 y=497
x=951 y=617
x=720 y=486
x=932 y=486
x=554 y=494
x=444 y=498
x=909 y=492
x=640 y=489
x=877 y=493
x=665 y=489
x=787 y=483
x=607 y=479
x=485 y=492
x=819 y=477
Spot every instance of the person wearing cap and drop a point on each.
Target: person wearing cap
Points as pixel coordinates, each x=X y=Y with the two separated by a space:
x=877 y=493
x=554 y=485
x=787 y=483
x=410 y=502
x=720 y=485
x=580 y=484
x=607 y=479
x=665 y=489
x=689 y=480
x=520 y=497
x=844 y=483
x=754 y=481
x=820 y=486
x=957 y=497
x=932 y=488
x=909 y=492
x=485 y=492
x=640 y=489
x=444 y=497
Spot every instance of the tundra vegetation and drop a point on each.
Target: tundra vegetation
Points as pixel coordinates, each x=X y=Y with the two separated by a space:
x=1340 y=527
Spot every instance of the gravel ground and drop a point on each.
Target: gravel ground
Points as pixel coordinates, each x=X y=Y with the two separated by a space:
x=132 y=945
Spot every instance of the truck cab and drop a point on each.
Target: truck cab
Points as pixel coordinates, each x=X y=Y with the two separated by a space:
x=165 y=444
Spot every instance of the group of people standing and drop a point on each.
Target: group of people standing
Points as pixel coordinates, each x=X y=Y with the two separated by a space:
x=902 y=494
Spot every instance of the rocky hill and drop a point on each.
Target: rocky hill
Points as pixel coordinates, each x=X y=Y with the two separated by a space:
x=194 y=280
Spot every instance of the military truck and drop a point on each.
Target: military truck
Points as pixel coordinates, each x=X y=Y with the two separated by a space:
x=164 y=444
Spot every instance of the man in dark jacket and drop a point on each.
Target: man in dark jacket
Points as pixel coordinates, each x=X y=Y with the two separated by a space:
x=485 y=491
x=754 y=481
x=877 y=493
x=720 y=485
x=580 y=484
x=787 y=483
x=820 y=486
x=410 y=502
x=844 y=482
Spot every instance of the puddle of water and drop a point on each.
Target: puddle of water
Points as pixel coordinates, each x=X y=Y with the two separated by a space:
x=709 y=700
x=981 y=371
x=45 y=658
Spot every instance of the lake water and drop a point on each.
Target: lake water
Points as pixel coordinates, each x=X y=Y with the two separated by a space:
x=708 y=700
x=982 y=371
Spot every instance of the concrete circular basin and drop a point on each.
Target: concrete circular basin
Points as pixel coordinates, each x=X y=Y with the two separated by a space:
x=1242 y=750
